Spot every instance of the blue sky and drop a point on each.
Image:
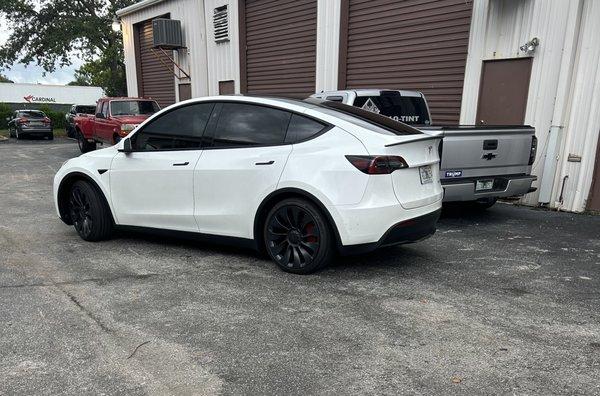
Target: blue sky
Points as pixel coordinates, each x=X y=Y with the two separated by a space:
x=33 y=74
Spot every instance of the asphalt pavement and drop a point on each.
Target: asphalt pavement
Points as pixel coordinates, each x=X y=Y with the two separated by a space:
x=505 y=301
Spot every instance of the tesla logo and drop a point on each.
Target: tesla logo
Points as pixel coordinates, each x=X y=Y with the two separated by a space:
x=488 y=156
x=430 y=149
x=31 y=98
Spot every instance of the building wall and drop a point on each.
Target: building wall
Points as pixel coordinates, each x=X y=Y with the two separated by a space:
x=193 y=59
x=563 y=69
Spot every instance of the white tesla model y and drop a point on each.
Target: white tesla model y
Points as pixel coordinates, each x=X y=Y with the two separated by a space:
x=298 y=180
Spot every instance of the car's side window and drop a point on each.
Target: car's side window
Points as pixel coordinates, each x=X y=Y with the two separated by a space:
x=242 y=125
x=105 y=109
x=302 y=128
x=179 y=129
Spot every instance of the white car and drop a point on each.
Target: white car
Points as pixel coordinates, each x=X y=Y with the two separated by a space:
x=299 y=180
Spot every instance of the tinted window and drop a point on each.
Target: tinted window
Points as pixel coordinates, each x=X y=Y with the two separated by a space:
x=365 y=118
x=302 y=128
x=250 y=125
x=133 y=107
x=408 y=109
x=85 y=109
x=181 y=128
x=32 y=114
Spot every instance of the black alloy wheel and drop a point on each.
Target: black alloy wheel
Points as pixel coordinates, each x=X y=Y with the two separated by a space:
x=297 y=237
x=89 y=213
x=81 y=212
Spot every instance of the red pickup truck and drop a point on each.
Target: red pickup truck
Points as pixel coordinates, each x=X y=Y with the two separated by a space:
x=115 y=118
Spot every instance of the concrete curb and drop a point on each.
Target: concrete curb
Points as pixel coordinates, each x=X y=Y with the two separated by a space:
x=3 y=139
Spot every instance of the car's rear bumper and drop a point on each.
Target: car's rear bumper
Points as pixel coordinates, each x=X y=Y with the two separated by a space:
x=35 y=131
x=407 y=231
x=504 y=186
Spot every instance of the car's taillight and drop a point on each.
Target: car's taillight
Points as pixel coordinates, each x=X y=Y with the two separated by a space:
x=533 y=150
x=22 y=121
x=377 y=164
x=46 y=120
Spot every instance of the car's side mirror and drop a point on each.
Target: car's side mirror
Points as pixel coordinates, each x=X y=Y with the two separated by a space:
x=126 y=146
x=100 y=115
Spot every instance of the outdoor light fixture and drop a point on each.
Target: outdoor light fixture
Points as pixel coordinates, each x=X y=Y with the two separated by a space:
x=530 y=46
x=116 y=25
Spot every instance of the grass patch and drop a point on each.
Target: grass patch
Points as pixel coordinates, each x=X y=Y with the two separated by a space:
x=58 y=132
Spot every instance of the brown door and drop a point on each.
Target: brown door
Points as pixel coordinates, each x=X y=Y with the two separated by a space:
x=278 y=41
x=503 y=91
x=155 y=77
x=414 y=45
x=594 y=199
x=185 y=92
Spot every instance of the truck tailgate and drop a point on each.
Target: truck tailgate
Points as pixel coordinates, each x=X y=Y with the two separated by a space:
x=473 y=151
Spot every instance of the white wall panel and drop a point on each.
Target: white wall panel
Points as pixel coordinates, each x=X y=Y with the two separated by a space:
x=223 y=58
x=498 y=29
x=328 y=44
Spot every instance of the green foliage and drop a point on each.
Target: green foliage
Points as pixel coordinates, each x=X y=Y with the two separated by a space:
x=4 y=79
x=57 y=117
x=50 y=32
x=5 y=111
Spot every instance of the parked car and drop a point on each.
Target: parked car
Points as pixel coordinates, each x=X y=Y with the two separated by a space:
x=30 y=123
x=114 y=119
x=295 y=179
x=479 y=164
x=77 y=110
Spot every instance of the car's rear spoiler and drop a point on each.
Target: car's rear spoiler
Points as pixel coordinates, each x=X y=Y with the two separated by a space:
x=415 y=139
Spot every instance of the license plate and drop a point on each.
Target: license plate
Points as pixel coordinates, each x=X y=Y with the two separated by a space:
x=484 y=185
x=426 y=174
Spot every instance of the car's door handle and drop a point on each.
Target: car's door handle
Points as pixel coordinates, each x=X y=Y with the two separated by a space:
x=265 y=163
x=181 y=163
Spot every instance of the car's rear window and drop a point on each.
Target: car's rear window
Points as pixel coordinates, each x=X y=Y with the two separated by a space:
x=410 y=110
x=133 y=107
x=366 y=118
x=32 y=114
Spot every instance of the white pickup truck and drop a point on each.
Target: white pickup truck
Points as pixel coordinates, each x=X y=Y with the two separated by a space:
x=478 y=163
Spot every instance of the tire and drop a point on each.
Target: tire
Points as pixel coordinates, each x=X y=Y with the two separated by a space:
x=298 y=237
x=84 y=145
x=89 y=212
x=11 y=132
x=51 y=136
x=17 y=136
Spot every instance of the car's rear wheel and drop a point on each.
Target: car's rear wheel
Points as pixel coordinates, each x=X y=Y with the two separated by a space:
x=89 y=213
x=298 y=237
x=84 y=145
x=484 y=203
x=11 y=132
x=50 y=136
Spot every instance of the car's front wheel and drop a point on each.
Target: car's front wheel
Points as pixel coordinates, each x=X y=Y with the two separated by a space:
x=89 y=212
x=298 y=237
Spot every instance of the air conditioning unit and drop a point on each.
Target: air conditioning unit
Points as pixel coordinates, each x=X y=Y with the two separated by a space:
x=166 y=33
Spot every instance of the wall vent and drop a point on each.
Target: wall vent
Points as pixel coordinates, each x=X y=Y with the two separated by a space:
x=221 y=24
x=166 y=33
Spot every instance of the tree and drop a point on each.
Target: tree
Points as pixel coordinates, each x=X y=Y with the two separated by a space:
x=4 y=79
x=50 y=33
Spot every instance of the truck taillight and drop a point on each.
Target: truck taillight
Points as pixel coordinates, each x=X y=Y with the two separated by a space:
x=377 y=164
x=533 y=150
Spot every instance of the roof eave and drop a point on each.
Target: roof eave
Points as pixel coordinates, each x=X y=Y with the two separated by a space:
x=137 y=7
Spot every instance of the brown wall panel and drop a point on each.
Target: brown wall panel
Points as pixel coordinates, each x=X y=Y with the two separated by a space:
x=278 y=44
x=407 y=44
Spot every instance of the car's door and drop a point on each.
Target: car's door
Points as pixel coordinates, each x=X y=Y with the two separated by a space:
x=241 y=165
x=153 y=186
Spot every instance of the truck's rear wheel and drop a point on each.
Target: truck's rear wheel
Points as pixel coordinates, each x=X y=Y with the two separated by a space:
x=84 y=145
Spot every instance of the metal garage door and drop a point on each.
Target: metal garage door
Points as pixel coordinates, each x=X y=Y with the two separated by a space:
x=408 y=44
x=278 y=47
x=155 y=78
